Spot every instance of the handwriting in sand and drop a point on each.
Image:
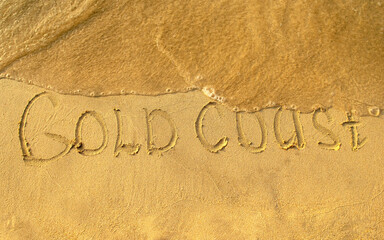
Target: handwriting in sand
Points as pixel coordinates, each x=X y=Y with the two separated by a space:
x=296 y=140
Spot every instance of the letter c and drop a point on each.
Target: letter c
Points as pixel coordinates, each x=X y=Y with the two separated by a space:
x=214 y=148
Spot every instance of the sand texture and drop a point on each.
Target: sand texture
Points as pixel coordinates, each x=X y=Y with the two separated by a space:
x=175 y=119
x=247 y=54
x=178 y=166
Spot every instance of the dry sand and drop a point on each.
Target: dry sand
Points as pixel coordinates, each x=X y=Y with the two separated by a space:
x=183 y=191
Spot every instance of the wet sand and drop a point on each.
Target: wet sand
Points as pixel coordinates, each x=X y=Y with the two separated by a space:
x=247 y=54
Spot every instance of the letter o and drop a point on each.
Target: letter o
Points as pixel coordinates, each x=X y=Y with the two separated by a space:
x=78 y=134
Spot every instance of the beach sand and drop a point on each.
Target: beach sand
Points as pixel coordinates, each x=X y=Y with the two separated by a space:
x=247 y=54
x=180 y=189
x=194 y=119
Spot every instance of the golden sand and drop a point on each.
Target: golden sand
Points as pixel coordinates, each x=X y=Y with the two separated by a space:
x=247 y=54
x=191 y=119
x=179 y=167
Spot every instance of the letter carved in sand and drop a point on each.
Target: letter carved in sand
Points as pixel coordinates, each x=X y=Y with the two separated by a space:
x=297 y=138
x=28 y=157
x=325 y=131
x=150 y=142
x=78 y=134
x=243 y=141
x=356 y=142
x=214 y=148
x=130 y=148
